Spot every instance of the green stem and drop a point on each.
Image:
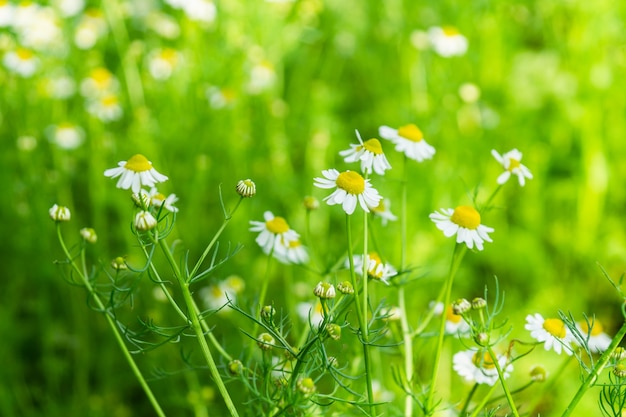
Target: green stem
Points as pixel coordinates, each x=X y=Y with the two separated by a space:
x=468 y=399
x=360 y=314
x=113 y=326
x=366 y=303
x=195 y=324
x=404 y=320
x=206 y=252
x=593 y=375
x=484 y=401
x=457 y=256
x=505 y=388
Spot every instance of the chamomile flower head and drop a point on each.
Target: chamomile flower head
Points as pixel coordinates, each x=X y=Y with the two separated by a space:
x=593 y=332
x=310 y=312
x=163 y=62
x=370 y=153
x=477 y=366
x=292 y=252
x=455 y=324
x=274 y=234
x=376 y=268
x=135 y=173
x=100 y=82
x=66 y=135
x=60 y=213
x=512 y=165
x=21 y=61
x=464 y=221
x=216 y=295
x=160 y=200
x=106 y=108
x=409 y=140
x=552 y=332
x=144 y=220
x=383 y=210
x=447 y=41
x=351 y=188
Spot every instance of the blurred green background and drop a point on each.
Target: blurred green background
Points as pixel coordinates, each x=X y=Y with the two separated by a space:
x=272 y=91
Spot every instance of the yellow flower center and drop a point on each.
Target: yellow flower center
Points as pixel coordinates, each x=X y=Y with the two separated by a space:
x=277 y=225
x=236 y=283
x=451 y=317
x=351 y=181
x=555 y=327
x=466 y=217
x=109 y=101
x=380 y=208
x=411 y=132
x=138 y=163
x=450 y=31
x=374 y=146
x=101 y=76
x=295 y=244
x=24 y=54
x=513 y=163
x=596 y=328
x=216 y=291
x=483 y=361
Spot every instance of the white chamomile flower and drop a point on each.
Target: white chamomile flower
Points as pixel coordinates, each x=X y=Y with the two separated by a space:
x=455 y=324
x=21 y=61
x=160 y=200
x=216 y=296
x=552 y=332
x=383 y=211
x=274 y=233
x=135 y=173
x=106 y=108
x=596 y=339
x=351 y=188
x=310 y=312
x=408 y=139
x=464 y=221
x=376 y=268
x=370 y=153
x=512 y=165
x=478 y=366
x=291 y=253
x=66 y=135
x=447 y=41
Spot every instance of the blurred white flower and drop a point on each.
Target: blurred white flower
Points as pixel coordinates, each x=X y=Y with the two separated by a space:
x=66 y=135
x=478 y=366
x=262 y=77
x=162 y=62
x=106 y=108
x=21 y=61
x=90 y=29
x=164 y=25
x=219 y=97
x=447 y=41
x=69 y=8
x=7 y=11
x=41 y=30
x=100 y=82
x=59 y=86
x=216 y=296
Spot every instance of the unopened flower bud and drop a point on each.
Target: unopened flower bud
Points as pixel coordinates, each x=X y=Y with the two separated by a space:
x=332 y=361
x=60 y=213
x=306 y=386
x=482 y=338
x=345 y=287
x=246 y=188
x=334 y=331
x=141 y=199
x=479 y=303
x=265 y=341
x=311 y=203
x=538 y=373
x=119 y=263
x=461 y=306
x=618 y=354
x=89 y=234
x=235 y=367
x=324 y=290
x=145 y=221
x=267 y=312
x=620 y=370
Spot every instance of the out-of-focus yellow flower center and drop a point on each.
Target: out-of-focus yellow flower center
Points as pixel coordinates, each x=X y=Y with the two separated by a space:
x=24 y=54
x=277 y=225
x=380 y=208
x=109 y=101
x=169 y=55
x=138 y=163
x=513 y=163
x=596 y=328
x=466 y=216
x=374 y=146
x=295 y=244
x=411 y=132
x=93 y=13
x=351 y=181
x=451 y=317
x=101 y=76
x=236 y=283
x=450 y=31
x=555 y=327
x=483 y=361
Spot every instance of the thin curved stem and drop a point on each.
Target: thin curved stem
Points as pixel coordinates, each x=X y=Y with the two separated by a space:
x=116 y=333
